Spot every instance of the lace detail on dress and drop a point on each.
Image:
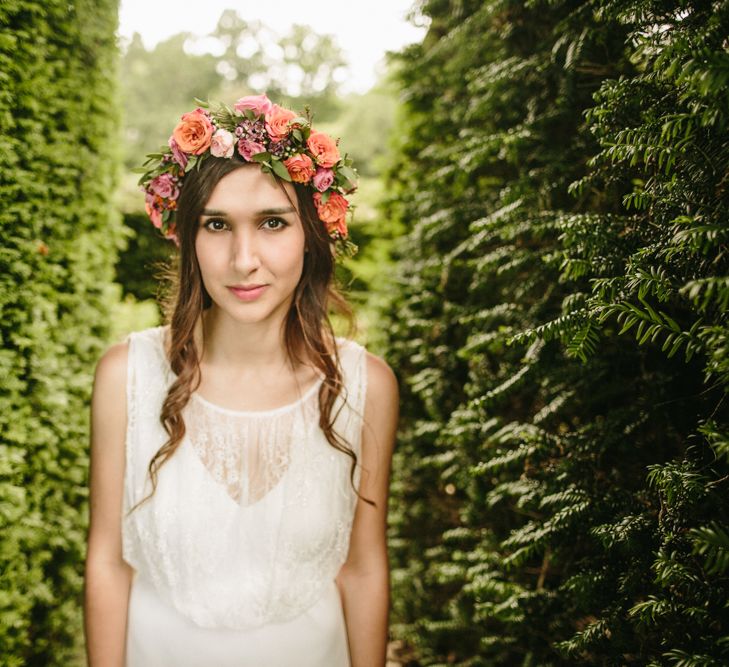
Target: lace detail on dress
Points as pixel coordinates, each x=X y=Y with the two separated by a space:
x=247 y=453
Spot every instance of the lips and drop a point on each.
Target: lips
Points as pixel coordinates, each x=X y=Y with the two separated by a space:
x=248 y=292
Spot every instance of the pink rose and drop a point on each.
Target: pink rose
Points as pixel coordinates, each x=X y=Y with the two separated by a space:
x=277 y=122
x=165 y=186
x=248 y=148
x=222 y=143
x=324 y=149
x=300 y=168
x=323 y=179
x=177 y=154
x=154 y=214
x=193 y=132
x=333 y=214
x=259 y=104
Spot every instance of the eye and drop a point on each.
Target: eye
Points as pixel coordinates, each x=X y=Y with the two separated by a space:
x=215 y=224
x=274 y=224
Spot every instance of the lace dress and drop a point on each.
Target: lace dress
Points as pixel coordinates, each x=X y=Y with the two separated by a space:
x=236 y=553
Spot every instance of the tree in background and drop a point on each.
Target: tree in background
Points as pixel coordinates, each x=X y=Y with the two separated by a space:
x=158 y=85
x=59 y=147
x=560 y=487
x=301 y=65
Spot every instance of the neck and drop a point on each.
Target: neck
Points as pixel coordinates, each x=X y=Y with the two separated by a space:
x=237 y=346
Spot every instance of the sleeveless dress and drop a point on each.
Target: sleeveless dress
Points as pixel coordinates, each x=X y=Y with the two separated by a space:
x=236 y=553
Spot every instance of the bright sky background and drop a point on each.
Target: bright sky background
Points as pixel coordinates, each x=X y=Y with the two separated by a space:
x=365 y=30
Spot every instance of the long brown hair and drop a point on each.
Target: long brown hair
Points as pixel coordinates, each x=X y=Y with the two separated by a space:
x=308 y=332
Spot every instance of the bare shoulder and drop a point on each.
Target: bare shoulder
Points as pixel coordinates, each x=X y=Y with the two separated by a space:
x=111 y=369
x=382 y=401
x=108 y=400
x=381 y=380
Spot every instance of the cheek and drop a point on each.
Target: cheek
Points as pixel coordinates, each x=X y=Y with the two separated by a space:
x=290 y=258
x=291 y=266
x=206 y=259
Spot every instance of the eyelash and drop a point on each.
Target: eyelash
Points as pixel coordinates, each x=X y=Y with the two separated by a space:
x=281 y=225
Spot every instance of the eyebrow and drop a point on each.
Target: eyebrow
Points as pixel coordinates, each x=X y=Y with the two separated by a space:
x=265 y=211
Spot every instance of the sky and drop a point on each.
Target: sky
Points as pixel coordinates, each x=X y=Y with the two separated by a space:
x=365 y=30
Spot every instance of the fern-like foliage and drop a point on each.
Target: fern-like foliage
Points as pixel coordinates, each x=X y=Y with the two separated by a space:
x=560 y=328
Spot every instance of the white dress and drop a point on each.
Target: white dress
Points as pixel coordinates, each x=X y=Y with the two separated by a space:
x=236 y=553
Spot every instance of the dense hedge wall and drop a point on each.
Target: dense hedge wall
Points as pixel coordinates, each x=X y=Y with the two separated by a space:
x=58 y=149
x=560 y=488
x=141 y=265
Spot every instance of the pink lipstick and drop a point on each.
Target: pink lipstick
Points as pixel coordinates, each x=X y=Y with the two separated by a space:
x=248 y=292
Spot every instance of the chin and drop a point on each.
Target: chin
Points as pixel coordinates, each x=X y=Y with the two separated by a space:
x=253 y=312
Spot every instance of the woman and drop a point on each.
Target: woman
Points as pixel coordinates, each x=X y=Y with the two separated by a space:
x=240 y=455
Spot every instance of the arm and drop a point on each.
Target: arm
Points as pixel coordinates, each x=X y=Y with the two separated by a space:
x=107 y=578
x=364 y=580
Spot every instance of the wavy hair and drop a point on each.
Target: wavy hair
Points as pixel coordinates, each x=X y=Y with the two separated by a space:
x=308 y=333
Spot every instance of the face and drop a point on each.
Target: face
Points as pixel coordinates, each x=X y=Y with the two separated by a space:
x=250 y=246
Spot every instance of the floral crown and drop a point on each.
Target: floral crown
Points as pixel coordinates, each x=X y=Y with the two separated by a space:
x=284 y=144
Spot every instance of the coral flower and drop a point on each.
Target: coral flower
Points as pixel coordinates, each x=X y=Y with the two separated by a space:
x=333 y=213
x=324 y=149
x=300 y=167
x=194 y=132
x=277 y=122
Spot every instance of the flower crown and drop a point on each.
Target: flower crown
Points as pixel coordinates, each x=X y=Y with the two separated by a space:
x=257 y=130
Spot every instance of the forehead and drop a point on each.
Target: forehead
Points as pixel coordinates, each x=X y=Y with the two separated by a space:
x=248 y=189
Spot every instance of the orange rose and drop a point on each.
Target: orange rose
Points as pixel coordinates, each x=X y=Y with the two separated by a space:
x=300 y=167
x=323 y=148
x=333 y=213
x=193 y=132
x=277 y=122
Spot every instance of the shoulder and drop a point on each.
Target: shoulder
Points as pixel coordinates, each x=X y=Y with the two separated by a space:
x=111 y=368
x=108 y=399
x=112 y=365
x=381 y=414
x=381 y=381
x=380 y=377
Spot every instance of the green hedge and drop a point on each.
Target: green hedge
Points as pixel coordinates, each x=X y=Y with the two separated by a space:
x=141 y=265
x=58 y=149
x=560 y=487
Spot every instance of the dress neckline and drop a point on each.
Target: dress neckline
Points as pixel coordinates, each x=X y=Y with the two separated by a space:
x=259 y=413
x=230 y=411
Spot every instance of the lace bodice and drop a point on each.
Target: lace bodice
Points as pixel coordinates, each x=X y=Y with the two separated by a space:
x=252 y=514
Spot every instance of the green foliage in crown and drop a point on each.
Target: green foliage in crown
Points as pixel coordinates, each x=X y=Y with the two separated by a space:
x=255 y=130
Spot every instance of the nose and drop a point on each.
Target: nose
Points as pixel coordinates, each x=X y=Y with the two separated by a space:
x=245 y=256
